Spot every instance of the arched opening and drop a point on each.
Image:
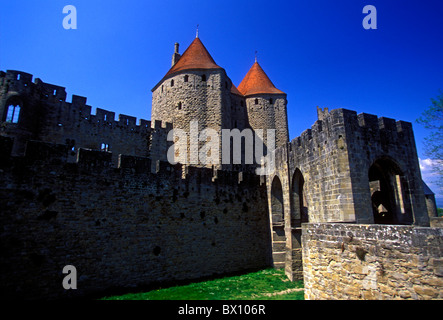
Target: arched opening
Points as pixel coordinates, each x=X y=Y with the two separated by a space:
x=277 y=202
x=12 y=110
x=278 y=224
x=13 y=113
x=299 y=212
x=389 y=193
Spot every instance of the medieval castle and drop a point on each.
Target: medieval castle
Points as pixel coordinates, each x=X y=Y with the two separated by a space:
x=345 y=208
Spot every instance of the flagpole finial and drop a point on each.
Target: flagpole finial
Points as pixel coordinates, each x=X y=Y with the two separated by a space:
x=196 y=35
x=256 y=55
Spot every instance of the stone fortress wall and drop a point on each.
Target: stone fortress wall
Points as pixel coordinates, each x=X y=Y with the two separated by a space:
x=353 y=172
x=84 y=189
x=372 y=262
x=122 y=226
x=45 y=115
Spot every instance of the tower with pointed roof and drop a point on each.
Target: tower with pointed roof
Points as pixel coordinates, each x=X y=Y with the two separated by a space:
x=266 y=105
x=194 y=89
x=197 y=89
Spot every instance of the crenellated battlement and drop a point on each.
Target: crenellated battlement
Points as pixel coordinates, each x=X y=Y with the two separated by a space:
x=172 y=223
x=45 y=115
x=60 y=157
x=336 y=157
x=338 y=123
x=18 y=83
x=107 y=118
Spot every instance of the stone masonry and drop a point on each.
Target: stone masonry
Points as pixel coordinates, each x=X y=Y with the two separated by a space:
x=121 y=227
x=372 y=262
x=345 y=208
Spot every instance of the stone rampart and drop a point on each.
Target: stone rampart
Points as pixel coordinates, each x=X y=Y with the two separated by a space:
x=124 y=226
x=383 y=262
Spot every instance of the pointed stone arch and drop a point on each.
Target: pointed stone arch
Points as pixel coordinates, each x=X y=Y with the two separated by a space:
x=277 y=206
x=278 y=224
x=12 y=109
x=299 y=210
x=389 y=192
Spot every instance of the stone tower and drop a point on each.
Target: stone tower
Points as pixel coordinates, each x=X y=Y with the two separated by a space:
x=194 y=89
x=266 y=105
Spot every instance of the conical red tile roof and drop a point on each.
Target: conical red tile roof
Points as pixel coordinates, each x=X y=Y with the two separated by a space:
x=257 y=82
x=195 y=57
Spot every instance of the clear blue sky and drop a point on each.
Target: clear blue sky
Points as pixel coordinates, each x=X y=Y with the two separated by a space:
x=316 y=51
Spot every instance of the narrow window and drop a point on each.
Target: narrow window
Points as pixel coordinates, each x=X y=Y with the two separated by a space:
x=55 y=92
x=10 y=114
x=172 y=82
x=162 y=88
x=106 y=117
x=204 y=77
x=256 y=101
x=105 y=147
x=271 y=101
x=179 y=106
x=18 y=76
x=186 y=78
x=13 y=114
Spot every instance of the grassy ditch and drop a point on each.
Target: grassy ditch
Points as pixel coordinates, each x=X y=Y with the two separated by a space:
x=269 y=284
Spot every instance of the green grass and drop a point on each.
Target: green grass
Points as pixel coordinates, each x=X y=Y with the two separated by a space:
x=269 y=284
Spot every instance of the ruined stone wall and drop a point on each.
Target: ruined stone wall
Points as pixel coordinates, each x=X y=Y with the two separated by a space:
x=383 y=262
x=123 y=226
x=46 y=115
x=17 y=88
